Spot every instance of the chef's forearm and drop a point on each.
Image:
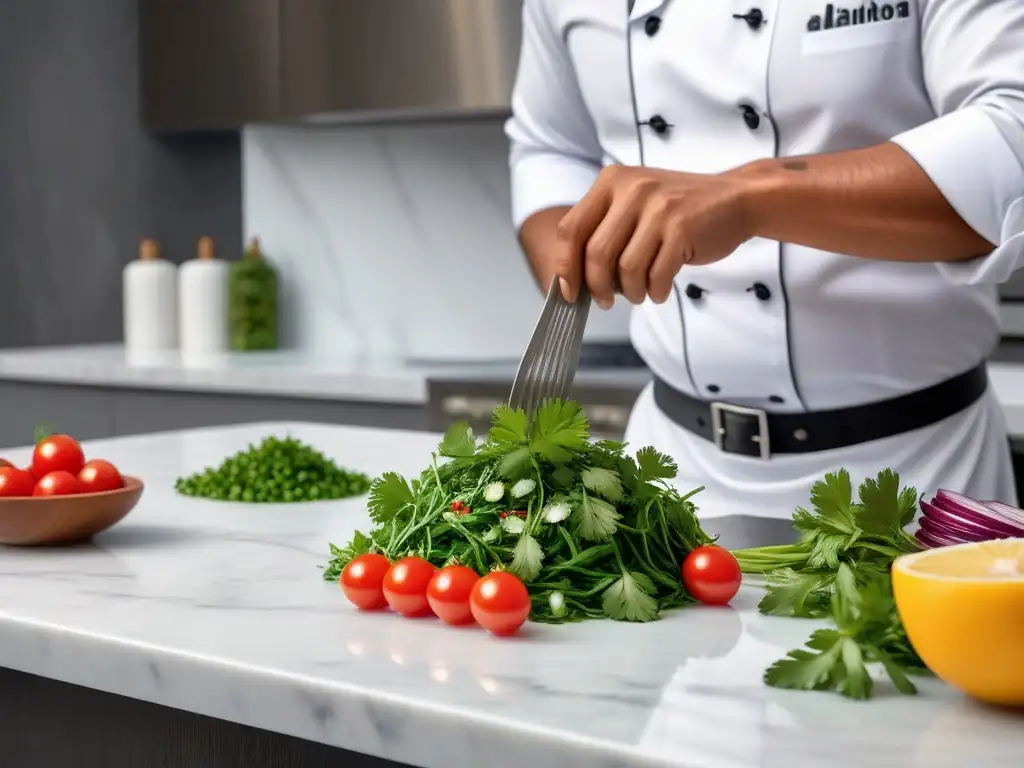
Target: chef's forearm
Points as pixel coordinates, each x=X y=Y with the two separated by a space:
x=539 y=238
x=876 y=203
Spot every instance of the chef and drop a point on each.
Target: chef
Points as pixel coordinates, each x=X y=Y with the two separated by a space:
x=811 y=205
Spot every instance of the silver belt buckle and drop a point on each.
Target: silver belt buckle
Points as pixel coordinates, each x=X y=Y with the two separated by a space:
x=718 y=427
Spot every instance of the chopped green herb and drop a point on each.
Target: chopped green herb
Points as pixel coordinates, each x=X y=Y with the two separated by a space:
x=275 y=471
x=592 y=532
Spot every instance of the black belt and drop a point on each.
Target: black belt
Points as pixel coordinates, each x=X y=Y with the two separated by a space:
x=758 y=433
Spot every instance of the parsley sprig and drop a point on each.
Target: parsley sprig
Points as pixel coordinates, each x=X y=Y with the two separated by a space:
x=839 y=569
x=592 y=531
x=867 y=534
x=867 y=630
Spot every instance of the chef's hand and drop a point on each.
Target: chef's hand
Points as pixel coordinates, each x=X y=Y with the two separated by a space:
x=637 y=227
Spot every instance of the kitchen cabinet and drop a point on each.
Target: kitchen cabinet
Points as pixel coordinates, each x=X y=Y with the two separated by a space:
x=219 y=64
x=96 y=412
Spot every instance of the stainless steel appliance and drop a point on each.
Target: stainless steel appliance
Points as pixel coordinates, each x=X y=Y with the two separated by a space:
x=219 y=64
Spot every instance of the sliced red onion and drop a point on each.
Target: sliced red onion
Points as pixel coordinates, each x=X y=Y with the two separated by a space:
x=1014 y=515
x=976 y=512
x=949 y=519
x=940 y=539
x=936 y=525
x=929 y=541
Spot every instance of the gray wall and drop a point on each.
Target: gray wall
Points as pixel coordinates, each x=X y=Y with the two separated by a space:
x=81 y=182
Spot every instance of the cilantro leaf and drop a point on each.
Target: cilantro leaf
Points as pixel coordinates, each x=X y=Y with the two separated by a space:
x=907 y=502
x=681 y=517
x=855 y=682
x=839 y=664
x=831 y=500
x=517 y=464
x=458 y=441
x=826 y=550
x=654 y=465
x=361 y=544
x=795 y=594
x=526 y=557
x=629 y=472
x=846 y=600
x=562 y=477
x=595 y=518
x=390 y=494
x=884 y=510
x=508 y=426
x=895 y=672
x=559 y=430
x=629 y=598
x=834 y=492
x=804 y=670
x=603 y=481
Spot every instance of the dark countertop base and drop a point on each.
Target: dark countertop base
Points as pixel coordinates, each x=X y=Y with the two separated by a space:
x=46 y=723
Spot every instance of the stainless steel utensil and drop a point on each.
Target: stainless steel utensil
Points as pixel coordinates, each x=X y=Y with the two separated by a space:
x=549 y=364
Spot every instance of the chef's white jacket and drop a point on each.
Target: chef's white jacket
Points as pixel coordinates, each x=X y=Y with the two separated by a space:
x=944 y=79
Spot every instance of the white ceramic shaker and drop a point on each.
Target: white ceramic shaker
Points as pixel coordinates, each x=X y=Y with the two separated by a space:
x=150 y=302
x=203 y=304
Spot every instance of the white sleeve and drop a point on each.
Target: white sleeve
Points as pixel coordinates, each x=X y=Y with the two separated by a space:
x=973 y=57
x=555 y=154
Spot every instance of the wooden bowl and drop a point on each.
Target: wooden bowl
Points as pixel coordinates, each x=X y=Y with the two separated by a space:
x=40 y=520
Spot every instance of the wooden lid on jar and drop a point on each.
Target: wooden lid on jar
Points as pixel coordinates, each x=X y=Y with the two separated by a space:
x=253 y=251
x=205 y=250
x=149 y=250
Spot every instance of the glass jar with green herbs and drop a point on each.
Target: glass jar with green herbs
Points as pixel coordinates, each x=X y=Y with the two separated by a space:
x=253 y=302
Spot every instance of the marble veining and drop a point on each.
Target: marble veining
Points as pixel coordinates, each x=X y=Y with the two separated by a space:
x=396 y=240
x=219 y=609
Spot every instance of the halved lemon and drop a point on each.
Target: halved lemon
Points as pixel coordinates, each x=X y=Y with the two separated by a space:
x=963 y=609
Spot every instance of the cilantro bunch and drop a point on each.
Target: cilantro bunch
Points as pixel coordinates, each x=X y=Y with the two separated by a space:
x=866 y=534
x=867 y=630
x=592 y=532
x=839 y=569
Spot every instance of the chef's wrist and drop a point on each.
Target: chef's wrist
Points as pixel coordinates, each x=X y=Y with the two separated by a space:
x=760 y=186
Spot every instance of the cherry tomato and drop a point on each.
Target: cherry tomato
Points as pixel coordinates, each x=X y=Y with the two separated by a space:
x=362 y=581
x=58 y=483
x=405 y=586
x=448 y=594
x=500 y=603
x=99 y=475
x=57 y=452
x=16 y=482
x=712 y=575
x=5 y=463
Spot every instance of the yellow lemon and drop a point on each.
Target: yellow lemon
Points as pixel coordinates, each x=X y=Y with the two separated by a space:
x=963 y=609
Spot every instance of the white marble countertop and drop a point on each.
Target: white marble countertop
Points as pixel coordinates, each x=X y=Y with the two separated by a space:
x=220 y=609
x=281 y=373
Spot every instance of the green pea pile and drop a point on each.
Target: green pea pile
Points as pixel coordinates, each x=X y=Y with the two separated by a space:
x=278 y=470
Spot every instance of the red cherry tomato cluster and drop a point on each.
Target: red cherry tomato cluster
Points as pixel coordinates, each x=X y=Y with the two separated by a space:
x=712 y=575
x=455 y=594
x=58 y=468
